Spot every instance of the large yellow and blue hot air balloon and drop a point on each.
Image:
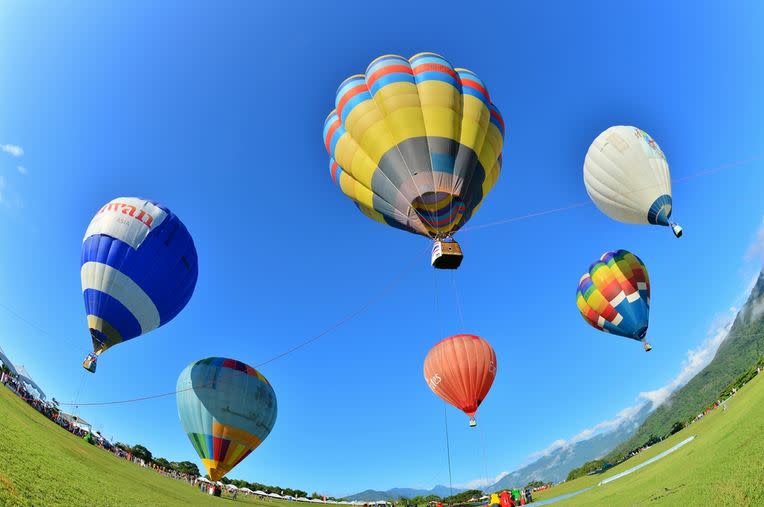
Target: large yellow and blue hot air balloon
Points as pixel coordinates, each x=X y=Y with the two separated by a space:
x=416 y=144
x=139 y=270
x=227 y=409
x=614 y=296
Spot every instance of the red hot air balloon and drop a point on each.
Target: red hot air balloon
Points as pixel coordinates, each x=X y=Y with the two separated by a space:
x=460 y=369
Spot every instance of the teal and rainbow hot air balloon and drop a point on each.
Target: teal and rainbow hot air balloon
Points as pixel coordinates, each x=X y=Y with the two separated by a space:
x=138 y=269
x=614 y=296
x=416 y=144
x=227 y=409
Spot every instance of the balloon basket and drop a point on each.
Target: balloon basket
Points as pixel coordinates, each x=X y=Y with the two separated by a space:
x=446 y=254
x=647 y=346
x=677 y=230
x=473 y=422
x=90 y=363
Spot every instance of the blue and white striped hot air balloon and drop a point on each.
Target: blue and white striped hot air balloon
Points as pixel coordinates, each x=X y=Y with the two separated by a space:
x=139 y=270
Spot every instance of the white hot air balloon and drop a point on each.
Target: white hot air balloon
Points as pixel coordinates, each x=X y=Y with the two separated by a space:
x=627 y=177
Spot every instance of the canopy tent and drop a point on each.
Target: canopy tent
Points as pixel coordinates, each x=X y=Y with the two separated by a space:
x=232 y=487
x=274 y=495
x=485 y=497
x=316 y=500
x=203 y=479
x=27 y=379
x=258 y=492
x=7 y=362
x=246 y=490
x=76 y=421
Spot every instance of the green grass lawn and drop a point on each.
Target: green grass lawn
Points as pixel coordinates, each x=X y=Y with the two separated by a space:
x=724 y=465
x=41 y=464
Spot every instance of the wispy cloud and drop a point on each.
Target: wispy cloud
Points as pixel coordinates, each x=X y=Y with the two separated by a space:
x=696 y=359
x=22 y=170
x=12 y=149
x=481 y=483
x=756 y=249
x=625 y=416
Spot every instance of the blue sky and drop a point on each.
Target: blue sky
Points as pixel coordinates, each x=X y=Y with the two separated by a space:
x=216 y=110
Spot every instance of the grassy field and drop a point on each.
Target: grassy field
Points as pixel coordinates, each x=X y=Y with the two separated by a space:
x=41 y=464
x=724 y=465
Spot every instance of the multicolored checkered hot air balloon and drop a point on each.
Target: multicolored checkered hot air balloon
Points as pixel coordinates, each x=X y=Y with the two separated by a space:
x=460 y=369
x=139 y=269
x=227 y=409
x=627 y=176
x=614 y=296
x=416 y=144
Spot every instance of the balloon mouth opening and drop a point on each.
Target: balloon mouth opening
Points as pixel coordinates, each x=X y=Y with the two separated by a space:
x=642 y=333
x=441 y=213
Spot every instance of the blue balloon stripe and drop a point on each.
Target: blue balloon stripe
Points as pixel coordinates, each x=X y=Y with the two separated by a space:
x=102 y=305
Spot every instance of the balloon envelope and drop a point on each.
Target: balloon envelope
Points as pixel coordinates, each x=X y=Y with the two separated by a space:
x=139 y=269
x=461 y=369
x=415 y=143
x=627 y=176
x=614 y=295
x=227 y=409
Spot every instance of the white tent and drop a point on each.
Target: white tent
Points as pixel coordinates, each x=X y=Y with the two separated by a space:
x=203 y=479
x=76 y=421
x=7 y=362
x=258 y=492
x=25 y=377
x=246 y=490
x=274 y=495
x=316 y=500
x=231 y=487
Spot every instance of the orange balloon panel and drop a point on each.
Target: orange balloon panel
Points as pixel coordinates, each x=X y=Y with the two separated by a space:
x=461 y=369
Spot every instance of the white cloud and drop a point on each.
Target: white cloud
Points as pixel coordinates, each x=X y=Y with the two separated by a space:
x=623 y=417
x=756 y=249
x=22 y=170
x=481 y=483
x=696 y=359
x=12 y=149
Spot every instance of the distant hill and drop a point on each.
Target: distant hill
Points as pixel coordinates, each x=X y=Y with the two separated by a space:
x=743 y=347
x=371 y=495
x=555 y=466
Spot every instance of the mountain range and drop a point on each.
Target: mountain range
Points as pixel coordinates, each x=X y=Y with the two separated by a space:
x=372 y=495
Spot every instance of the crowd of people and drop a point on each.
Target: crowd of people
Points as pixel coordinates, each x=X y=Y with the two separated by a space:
x=70 y=424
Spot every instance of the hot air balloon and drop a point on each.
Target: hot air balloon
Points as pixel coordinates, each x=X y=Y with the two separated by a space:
x=614 y=296
x=460 y=369
x=227 y=409
x=627 y=177
x=139 y=269
x=416 y=144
